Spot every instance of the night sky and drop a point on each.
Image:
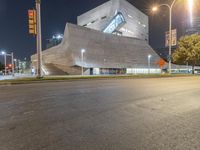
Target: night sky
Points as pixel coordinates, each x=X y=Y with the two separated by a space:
x=55 y=13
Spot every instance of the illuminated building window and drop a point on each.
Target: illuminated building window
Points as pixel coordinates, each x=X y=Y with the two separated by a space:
x=117 y=21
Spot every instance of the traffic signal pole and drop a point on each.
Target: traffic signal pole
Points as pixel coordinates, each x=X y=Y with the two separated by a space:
x=39 y=39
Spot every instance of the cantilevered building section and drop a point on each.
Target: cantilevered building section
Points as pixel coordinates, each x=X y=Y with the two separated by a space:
x=117 y=17
x=115 y=38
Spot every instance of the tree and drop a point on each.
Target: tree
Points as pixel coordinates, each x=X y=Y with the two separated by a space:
x=188 y=51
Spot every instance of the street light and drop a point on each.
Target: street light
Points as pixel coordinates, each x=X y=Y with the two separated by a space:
x=4 y=54
x=155 y=8
x=82 y=52
x=58 y=36
x=170 y=30
x=5 y=61
x=149 y=63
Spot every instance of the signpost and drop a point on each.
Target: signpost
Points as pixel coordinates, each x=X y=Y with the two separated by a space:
x=34 y=22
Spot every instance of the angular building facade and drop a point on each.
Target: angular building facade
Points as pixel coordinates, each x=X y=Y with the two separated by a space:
x=115 y=39
x=119 y=17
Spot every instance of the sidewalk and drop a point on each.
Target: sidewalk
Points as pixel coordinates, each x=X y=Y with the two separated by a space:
x=17 y=76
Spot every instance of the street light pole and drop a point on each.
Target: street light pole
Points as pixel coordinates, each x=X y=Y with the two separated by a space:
x=5 y=61
x=149 y=63
x=170 y=37
x=170 y=31
x=39 y=39
x=170 y=40
x=82 y=52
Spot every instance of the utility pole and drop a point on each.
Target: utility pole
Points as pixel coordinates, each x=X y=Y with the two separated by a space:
x=39 y=39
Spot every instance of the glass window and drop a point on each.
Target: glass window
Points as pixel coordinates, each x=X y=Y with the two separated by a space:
x=115 y=23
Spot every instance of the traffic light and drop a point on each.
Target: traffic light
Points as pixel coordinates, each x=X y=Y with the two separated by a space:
x=10 y=66
x=32 y=21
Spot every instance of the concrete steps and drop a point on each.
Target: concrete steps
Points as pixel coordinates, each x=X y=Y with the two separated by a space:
x=51 y=69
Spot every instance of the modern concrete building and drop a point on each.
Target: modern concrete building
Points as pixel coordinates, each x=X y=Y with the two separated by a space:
x=118 y=17
x=115 y=39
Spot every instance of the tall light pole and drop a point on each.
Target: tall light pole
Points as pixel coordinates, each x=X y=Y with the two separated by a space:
x=149 y=63
x=5 y=61
x=82 y=52
x=4 y=54
x=170 y=30
x=39 y=39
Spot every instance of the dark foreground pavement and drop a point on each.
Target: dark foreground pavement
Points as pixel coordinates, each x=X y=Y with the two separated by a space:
x=129 y=114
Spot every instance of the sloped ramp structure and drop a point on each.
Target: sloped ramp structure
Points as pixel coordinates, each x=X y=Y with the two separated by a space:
x=51 y=69
x=102 y=51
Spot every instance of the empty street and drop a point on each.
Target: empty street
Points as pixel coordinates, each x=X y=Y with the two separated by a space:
x=112 y=114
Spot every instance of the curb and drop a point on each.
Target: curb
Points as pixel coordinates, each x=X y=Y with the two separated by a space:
x=18 y=82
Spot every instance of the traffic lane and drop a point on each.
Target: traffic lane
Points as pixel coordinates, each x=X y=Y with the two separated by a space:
x=114 y=114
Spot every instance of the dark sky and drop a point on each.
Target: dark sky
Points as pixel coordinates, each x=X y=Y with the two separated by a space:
x=55 y=13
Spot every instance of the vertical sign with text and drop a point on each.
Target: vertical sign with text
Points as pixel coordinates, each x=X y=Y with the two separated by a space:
x=32 y=22
x=174 y=38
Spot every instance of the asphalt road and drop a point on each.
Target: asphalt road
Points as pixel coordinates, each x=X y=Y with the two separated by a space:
x=128 y=114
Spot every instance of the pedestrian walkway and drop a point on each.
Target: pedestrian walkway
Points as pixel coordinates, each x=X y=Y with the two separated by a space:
x=16 y=76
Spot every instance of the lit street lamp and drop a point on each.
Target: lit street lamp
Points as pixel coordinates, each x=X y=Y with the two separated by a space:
x=58 y=36
x=4 y=54
x=149 y=63
x=155 y=8
x=5 y=61
x=170 y=30
x=82 y=52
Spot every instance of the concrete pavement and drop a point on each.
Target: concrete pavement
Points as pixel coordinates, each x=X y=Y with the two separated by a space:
x=128 y=114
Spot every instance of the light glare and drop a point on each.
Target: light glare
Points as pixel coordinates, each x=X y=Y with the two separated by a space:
x=154 y=8
x=191 y=3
